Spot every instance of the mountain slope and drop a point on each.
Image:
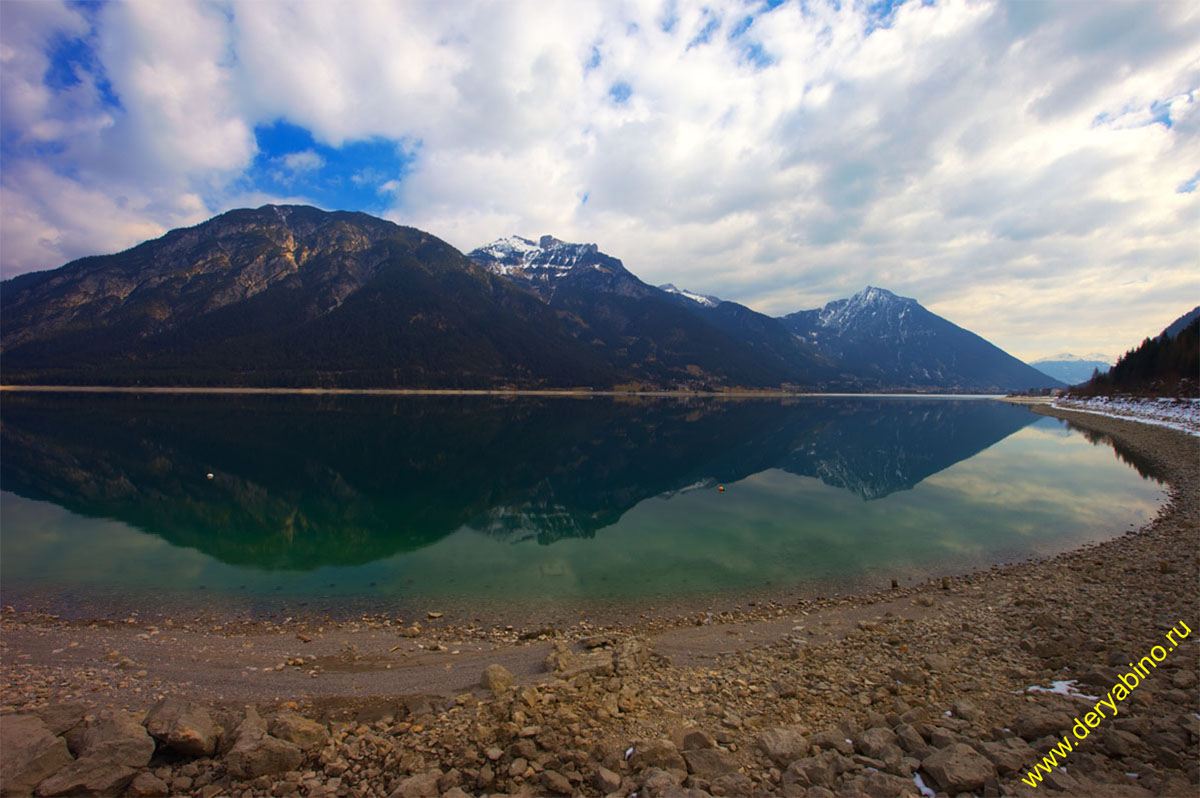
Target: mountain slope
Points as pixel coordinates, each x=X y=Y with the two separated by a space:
x=892 y=343
x=286 y=295
x=660 y=337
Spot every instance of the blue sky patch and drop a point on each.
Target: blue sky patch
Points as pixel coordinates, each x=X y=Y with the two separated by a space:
x=1189 y=186
x=620 y=92
x=359 y=175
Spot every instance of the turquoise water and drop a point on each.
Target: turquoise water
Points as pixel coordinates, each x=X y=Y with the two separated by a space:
x=533 y=501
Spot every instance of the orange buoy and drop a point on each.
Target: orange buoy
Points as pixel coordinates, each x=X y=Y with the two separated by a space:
x=720 y=488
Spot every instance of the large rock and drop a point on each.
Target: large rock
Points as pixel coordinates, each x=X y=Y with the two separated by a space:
x=783 y=746
x=91 y=775
x=566 y=664
x=497 y=678
x=422 y=785
x=811 y=771
x=256 y=753
x=184 y=726
x=29 y=754
x=1009 y=755
x=299 y=730
x=879 y=743
x=630 y=656
x=958 y=768
x=117 y=737
x=1036 y=722
x=710 y=763
x=656 y=754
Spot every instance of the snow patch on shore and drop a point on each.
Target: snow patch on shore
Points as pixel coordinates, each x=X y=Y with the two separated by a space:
x=1178 y=414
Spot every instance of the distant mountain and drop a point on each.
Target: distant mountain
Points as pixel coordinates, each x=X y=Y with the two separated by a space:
x=887 y=342
x=1073 y=369
x=292 y=296
x=661 y=337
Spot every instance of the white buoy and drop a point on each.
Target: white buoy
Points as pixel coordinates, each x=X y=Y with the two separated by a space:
x=209 y=475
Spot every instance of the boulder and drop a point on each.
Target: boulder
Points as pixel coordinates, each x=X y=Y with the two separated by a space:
x=497 y=678
x=31 y=754
x=1009 y=755
x=878 y=743
x=783 y=746
x=811 y=771
x=958 y=768
x=605 y=781
x=630 y=656
x=422 y=785
x=117 y=737
x=184 y=726
x=91 y=775
x=696 y=739
x=147 y=785
x=1036 y=722
x=656 y=754
x=299 y=730
x=256 y=753
x=710 y=763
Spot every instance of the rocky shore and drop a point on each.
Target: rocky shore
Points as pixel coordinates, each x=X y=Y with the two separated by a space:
x=956 y=686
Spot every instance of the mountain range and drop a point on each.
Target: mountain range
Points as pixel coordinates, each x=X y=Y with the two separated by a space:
x=296 y=296
x=1073 y=369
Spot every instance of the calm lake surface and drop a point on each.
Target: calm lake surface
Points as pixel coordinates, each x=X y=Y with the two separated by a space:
x=366 y=502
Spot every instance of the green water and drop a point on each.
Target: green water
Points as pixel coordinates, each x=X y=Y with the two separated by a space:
x=358 y=502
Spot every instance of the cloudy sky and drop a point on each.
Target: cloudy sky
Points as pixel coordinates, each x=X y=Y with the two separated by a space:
x=1028 y=170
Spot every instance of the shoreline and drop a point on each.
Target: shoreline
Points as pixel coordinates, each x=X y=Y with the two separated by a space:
x=565 y=392
x=810 y=665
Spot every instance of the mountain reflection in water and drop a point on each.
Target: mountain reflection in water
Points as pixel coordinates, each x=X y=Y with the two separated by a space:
x=299 y=482
x=430 y=497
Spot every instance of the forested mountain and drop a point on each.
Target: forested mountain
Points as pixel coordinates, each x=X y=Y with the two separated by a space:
x=1165 y=365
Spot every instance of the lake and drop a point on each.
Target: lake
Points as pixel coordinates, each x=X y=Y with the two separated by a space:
x=508 y=504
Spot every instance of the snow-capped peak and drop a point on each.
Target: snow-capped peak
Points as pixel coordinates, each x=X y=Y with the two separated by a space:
x=515 y=253
x=707 y=301
x=1093 y=357
x=868 y=302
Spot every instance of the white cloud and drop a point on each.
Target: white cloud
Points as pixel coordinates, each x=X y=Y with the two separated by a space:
x=1009 y=165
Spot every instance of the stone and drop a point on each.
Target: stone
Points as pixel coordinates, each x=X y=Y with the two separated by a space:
x=958 y=768
x=117 y=737
x=656 y=782
x=298 y=730
x=812 y=771
x=497 y=678
x=556 y=783
x=605 y=781
x=783 y=746
x=879 y=785
x=834 y=739
x=256 y=753
x=147 y=785
x=732 y=784
x=965 y=708
x=90 y=775
x=1036 y=722
x=709 y=763
x=560 y=659
x=656 y=754
x=907 y=675
x=62 y=718
x=422 y=785
x=31 y=754
x=936 y=663
x=697 y=739
x=184 y=726
x=879 y=743
x=1009 y=755
x=630 y=656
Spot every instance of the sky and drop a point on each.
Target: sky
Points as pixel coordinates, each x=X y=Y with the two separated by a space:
x=1029 y=170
